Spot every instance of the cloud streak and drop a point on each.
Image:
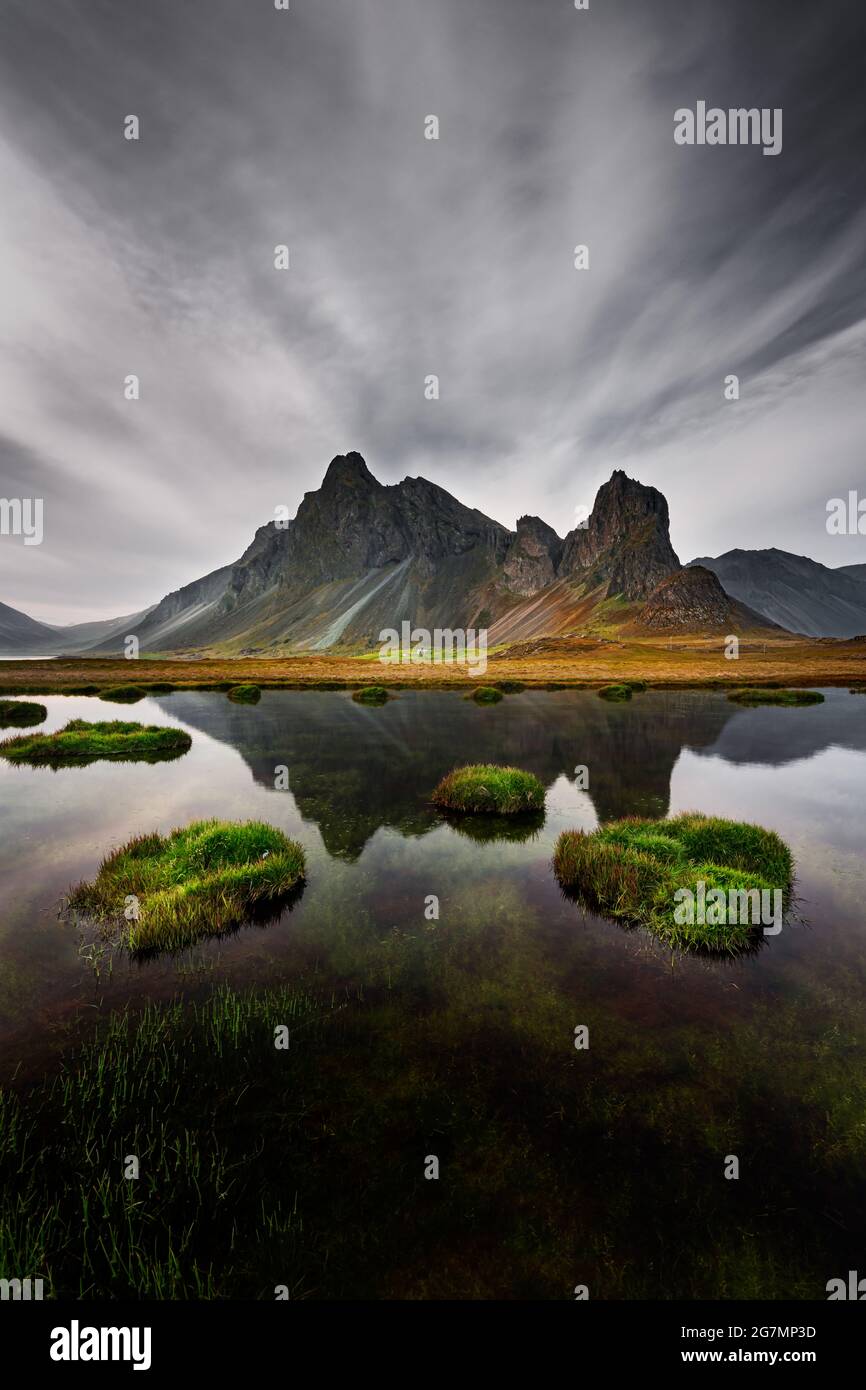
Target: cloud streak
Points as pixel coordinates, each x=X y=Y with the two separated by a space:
x=412 y=257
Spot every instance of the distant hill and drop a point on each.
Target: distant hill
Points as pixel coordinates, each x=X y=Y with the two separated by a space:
x=797 y=593
x=23 y=636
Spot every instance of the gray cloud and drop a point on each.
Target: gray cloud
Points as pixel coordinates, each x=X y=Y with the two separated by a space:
x=412 y=257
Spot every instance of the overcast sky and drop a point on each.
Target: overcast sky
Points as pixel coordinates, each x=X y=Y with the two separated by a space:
x=411 y=257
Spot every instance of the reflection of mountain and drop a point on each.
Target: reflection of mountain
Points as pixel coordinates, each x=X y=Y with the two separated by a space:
x=353 y=769
x=791 y=735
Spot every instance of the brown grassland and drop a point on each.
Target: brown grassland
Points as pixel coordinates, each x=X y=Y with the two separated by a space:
x=546 y=662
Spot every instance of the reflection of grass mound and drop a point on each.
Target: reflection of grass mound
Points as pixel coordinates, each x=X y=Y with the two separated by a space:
x=631 y=870
x=489 y=790
x=615 y=692
x=80 y=743
x=483 y=829
x=123 y=694
x=754 y=696
x=370 y=695
x=486 y=695
x=202 y=880
x=245 y=694
x=20 y=714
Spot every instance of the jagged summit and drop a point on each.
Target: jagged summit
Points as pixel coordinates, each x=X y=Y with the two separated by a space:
x=361 y=556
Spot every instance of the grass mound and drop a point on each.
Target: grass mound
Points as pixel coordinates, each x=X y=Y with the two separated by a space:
x=486 y=695
x=79 y=743
x=615 y=692
x=371 y=695
x=20 y=714
x=636 y=686
x=123 y=694
x=632 y=869
x=753 y=696
x=484 y=788
x=201 y=880
x=245 y=694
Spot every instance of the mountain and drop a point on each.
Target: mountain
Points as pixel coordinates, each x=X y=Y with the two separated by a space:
x=361 y=557
x=794 y=591
x=854 y=571
x=693 y=600
x=23 y=636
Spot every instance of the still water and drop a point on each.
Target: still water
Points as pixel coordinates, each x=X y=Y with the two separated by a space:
x=761 y=1056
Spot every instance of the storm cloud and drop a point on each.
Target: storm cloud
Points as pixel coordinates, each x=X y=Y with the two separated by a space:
x=412 y=257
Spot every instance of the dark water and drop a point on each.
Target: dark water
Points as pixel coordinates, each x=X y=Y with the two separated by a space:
x=690 y=1060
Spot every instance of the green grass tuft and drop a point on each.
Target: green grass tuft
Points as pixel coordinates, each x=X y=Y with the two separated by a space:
x=615 y=692
x=631 y=870
x=80 y=743
x=753 y=696
x=245 y=694
x=123 y=694
x=371 y=695
x=20 y=714
x=484 y=788
x=485 y=695
x=204 y=879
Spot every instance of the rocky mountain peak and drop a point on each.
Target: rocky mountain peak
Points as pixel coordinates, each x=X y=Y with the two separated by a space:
x=625 y=544
x=348 y=470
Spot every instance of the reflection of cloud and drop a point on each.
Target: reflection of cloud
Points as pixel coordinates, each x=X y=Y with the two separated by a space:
x=411 y=257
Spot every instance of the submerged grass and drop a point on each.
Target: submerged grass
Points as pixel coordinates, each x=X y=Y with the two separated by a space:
x=20 y=714
x=204 y=879
x=750 y=695
x=184 y=1090
x=80 y=742
x=488 y=789
x=245 y=694
x=632 y=869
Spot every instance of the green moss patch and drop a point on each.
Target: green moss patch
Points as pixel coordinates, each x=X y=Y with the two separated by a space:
x=245 y=694
x=21 y=714
x=755 y=696
x=123 y=694
x=484 y=788
x=371 y=695
x=79 y=743
x=485 y=695
x=615 y=692
x=201 y=880
x=633 y=869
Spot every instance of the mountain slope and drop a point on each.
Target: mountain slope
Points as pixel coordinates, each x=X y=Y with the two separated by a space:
x=23 y=636
x=797 y=593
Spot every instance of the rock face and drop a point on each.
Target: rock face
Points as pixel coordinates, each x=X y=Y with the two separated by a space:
x=625 y=546
x=693 y=600
x=533 y=556
x=360 y=557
